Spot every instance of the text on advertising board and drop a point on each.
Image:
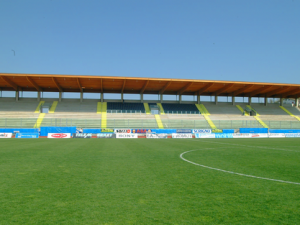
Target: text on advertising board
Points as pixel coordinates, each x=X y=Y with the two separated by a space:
x=204 y=131
x=126 y=135
x=59 y=135
x=141 y=131
x=5 y=135
x=182 y=136
x=149 y=135
x=106 y=135
x=122 y=131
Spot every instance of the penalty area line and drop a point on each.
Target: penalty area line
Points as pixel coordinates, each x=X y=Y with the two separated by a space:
x=231 y=172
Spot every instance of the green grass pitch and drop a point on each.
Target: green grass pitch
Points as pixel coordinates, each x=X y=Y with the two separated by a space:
x=144 y=181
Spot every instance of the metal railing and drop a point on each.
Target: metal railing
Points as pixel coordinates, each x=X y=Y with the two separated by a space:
x=145 y=123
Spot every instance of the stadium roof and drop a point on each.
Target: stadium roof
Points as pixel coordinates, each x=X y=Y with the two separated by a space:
x=134 y=85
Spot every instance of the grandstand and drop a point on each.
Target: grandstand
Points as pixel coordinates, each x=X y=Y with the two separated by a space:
x=104 y=113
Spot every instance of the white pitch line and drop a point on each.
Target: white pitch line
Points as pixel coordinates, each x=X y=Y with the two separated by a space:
x=227 y=171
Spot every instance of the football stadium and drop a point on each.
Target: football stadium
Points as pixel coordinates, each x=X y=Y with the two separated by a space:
x=227 y=155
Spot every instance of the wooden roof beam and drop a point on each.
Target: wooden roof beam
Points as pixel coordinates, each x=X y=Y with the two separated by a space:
x=293 y=92
x=144 y=87
x=123 y=87
x=38 y=88
x=185 y=87
x=57 y=85
x=223 y=89
x=165 y=87
x=259 y=90
x=203 y=89
x=79 y=84
x=276 y=91
x=9 y=82
x=241 y=90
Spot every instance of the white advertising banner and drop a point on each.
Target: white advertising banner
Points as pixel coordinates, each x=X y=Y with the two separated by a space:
x=5 y=135
x=122 y=131
x=238 y=135
x=126 y=135
x=198 y=135
x=276 y=135
x=59 y=135
x=292 y=135
x=182 y=135
x=259 y=135
x=149 y=135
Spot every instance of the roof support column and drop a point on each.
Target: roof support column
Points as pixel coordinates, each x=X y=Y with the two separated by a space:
x=198 y=99
x=17 y=95
x=142 y=98
x=81 y=96
x=60 y=96
x=216 y=99
x=266 y=101
x=297 y=101
x=38 y=96
x=281 y=101
x=249 y=100
x=180 y=98
x=161 y=98
x=233 y=100
x=122 y=97
x=101 y=96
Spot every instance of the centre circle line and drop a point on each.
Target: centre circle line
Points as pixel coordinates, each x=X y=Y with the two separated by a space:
x=231 y=172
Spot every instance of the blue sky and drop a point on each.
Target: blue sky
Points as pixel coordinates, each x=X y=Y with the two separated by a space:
x=232 y=40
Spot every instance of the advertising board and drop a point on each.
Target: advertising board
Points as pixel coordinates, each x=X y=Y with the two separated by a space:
x=150 y=135
x=122 y=131
x=202 y=131
x=59 y=135
x=184 y=131
x=226 y=135
x=82 y=135
x=182 y=135
x=126 y=135
x=292 y=135
x=108 y=135
x=5 y=135
x=259 y=135
x=106 y=130
x=216 y=131
x=239 y=135
x=276 y=135
x=199 y=135
x=141 y=131
x=27 y=135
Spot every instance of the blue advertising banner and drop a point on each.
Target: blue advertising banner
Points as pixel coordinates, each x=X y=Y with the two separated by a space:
x=284 y=131
x=231 y=131
x=141 y=131
x=163 y=131
x=184 y=131
x=226 y=135
x=202 y=131
x=205 y=135
x=27 y=135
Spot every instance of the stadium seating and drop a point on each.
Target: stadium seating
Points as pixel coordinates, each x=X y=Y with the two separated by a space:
x=172 y=108
x=120 y=107
x=87 y=114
